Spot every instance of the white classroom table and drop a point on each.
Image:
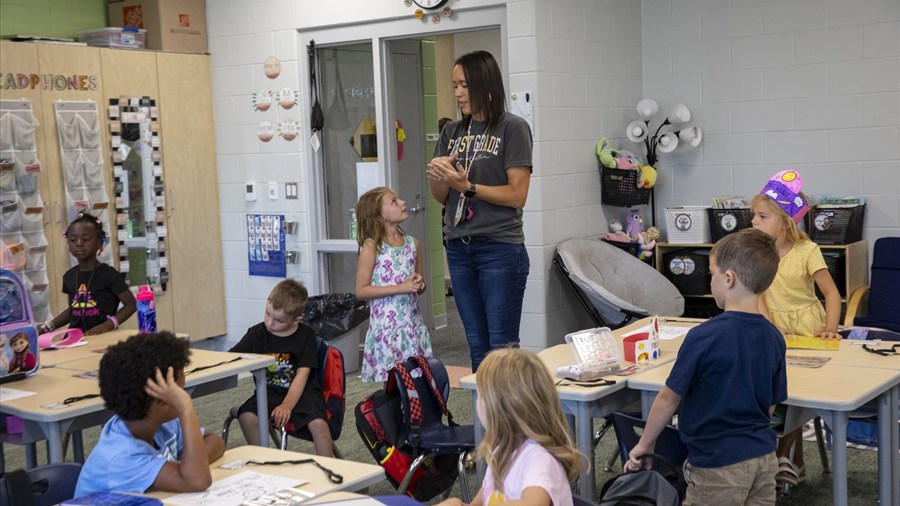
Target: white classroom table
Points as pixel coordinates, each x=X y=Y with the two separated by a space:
x=56 y=384
x=832 y=391
x=357 y=475
x=582 y=404
x=95 y=345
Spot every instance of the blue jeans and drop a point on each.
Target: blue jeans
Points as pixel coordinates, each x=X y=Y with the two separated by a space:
x=488 y=284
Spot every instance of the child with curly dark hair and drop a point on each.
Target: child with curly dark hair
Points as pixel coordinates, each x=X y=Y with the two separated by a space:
x=154 y=439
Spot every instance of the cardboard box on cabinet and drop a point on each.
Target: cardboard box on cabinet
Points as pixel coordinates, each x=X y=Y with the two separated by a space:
x=172 y=25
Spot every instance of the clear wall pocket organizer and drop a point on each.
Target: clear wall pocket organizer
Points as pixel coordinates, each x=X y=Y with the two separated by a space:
x=21 y=206
x=78 y=129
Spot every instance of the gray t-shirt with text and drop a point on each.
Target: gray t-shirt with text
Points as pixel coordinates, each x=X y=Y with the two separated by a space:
x=488 y=150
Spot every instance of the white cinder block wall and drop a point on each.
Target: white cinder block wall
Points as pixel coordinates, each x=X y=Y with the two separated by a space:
x=806 y=84
x=241 y=36
x=810 y=84
x=583 y=61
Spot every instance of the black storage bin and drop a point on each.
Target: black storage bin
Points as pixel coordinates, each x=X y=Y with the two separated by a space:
x=837 y=267
x=618 y=187
x=688 y=270
x=632 y=248
x=726 y=221
x=835 y=225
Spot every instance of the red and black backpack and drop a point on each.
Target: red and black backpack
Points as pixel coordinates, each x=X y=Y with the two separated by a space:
x=390 y=421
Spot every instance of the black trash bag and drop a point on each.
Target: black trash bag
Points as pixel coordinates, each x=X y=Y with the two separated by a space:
x=333 y=314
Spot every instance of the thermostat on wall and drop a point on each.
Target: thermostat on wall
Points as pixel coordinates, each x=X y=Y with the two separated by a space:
x=250 y=192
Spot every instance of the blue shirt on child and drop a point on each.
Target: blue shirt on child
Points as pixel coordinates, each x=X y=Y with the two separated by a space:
x=729 y=370
x=121 y=462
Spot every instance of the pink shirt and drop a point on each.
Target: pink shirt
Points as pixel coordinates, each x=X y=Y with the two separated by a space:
x=533 y=466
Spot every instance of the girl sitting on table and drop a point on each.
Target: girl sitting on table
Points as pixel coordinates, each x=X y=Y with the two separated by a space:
x=526 y=445
x=790 y=302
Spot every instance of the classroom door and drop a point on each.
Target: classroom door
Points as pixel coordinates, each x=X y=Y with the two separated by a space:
x=408 y=106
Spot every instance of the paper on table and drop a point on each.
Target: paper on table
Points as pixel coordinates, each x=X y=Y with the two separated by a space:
x=665 y=332
x=811 y=343
x=808 y=362
x=8 y=394
x=236 y=489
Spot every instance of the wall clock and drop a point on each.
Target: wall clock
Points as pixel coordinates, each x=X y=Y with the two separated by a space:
x=430 y=4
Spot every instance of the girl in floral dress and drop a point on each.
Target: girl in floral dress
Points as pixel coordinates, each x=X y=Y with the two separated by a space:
x=389 y=275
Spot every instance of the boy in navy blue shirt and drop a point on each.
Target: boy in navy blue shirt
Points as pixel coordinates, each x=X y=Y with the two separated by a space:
x=728 y=377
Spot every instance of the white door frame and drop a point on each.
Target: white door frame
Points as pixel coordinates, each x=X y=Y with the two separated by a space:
x=378 y=33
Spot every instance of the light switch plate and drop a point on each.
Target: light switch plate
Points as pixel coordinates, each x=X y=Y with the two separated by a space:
x=290 y=191
x=273 y=190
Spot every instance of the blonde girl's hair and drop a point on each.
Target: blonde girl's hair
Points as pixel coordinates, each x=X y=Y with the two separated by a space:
x=520 y=402
x=792 y=231
x=370 y=224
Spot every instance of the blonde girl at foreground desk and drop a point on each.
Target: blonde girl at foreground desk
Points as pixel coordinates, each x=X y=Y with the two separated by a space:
x=526 y=440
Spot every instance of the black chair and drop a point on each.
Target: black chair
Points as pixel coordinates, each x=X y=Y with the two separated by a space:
x=436 y=438
x=668 y=445
x=337 y=406
x=876 y=305
x=44 y=485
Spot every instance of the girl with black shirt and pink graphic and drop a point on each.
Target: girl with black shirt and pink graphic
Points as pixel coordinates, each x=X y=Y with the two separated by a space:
x=95 y=289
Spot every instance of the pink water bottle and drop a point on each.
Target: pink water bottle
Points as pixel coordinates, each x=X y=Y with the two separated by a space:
x=146 y=309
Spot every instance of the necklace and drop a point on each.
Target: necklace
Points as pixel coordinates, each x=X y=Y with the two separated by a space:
x=463 y=208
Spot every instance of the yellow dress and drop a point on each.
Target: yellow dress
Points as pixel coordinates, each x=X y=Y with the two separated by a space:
x=791 y=299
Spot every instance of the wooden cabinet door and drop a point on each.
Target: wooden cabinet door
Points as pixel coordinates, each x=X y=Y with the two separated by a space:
x=68 y=62
x=187 y=129
x=17 y=59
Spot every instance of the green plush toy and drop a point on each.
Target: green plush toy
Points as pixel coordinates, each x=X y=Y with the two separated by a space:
x=606 y=153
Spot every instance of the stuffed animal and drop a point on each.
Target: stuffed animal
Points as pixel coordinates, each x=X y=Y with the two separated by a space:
x=647 y=178
x=635 y=223
x=606 y=153
x=616 y=233
x=628 y=160
x=647 y=240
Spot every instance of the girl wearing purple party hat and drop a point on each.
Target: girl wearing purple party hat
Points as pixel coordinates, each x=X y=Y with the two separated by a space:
x=790 y=302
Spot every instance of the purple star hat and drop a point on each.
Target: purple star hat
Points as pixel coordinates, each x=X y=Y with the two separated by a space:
x=784 y=189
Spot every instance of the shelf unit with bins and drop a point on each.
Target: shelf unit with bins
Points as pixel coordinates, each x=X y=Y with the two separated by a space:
x=855 y=263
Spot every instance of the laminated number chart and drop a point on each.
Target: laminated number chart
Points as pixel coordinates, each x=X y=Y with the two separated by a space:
x=265 y=245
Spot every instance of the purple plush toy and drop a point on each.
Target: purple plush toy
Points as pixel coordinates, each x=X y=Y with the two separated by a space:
x=635 y=224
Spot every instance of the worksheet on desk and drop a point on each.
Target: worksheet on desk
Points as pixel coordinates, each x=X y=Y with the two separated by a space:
x=8 y=394
x=666 y=332
x=236 y=490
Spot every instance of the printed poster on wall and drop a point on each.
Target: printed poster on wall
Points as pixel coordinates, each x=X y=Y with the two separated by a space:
x=265 y=245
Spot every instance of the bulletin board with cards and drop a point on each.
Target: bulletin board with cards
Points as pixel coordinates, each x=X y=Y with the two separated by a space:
x=265 y=245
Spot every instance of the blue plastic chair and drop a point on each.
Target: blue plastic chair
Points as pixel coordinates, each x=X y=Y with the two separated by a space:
x=49 y=484
x=876 y=305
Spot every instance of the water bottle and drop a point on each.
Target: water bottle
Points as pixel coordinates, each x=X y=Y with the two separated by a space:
x=146 y=309
x=353 y=224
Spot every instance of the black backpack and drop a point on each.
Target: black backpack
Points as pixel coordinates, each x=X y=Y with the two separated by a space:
x=645 y=487
x=389 y=422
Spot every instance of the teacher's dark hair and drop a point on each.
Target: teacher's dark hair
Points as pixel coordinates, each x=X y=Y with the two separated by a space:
x=485 y=83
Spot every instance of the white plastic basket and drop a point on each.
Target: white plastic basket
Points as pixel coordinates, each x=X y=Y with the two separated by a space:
x=687 y=224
